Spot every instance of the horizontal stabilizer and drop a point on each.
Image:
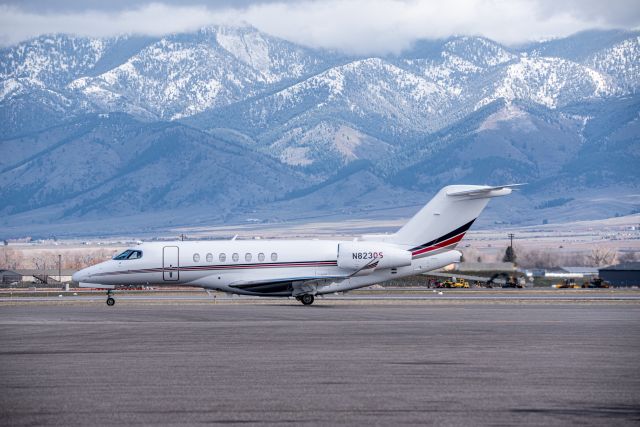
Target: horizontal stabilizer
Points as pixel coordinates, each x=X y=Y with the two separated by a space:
x=501 y=190
x=446 y=217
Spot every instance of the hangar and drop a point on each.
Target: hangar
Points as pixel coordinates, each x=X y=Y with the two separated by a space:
x=627 y=274
x=7 y=277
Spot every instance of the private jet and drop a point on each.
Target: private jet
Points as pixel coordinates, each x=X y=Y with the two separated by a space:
x=302 y=269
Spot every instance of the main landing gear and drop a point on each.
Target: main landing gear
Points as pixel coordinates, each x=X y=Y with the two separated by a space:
x=110 y=300
x=306 y=299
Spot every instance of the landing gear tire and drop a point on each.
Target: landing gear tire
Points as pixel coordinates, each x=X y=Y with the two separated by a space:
x=110 y=300
x=306 y=299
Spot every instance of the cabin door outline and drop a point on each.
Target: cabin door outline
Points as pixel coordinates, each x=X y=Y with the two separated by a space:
x=170 y=263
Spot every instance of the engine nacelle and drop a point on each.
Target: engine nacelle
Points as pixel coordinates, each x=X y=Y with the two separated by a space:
x=365 y=257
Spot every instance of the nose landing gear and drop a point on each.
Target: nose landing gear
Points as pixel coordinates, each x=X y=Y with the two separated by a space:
x=110 y=300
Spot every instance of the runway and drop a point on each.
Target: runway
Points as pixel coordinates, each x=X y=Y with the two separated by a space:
x=368 y=296
x=334 y=362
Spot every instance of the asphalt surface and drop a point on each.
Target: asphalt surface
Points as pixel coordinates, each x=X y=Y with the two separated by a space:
x=462 y=364
x=398 y=295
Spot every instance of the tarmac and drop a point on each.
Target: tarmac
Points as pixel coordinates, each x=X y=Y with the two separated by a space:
x=336 y=362
x=367 y=296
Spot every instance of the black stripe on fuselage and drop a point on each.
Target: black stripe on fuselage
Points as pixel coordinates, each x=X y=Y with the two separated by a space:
x=269 y=288
x=447 y=236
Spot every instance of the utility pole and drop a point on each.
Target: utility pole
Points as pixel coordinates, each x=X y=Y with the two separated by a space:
x=59 y=268
x=182 y=237
x=509 y=254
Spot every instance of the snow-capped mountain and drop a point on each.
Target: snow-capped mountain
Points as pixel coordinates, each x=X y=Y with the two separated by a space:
x=551 y=82
x=401 y=99
x=155 y=79
x=620 y=63
x=307 y=120
x=182 y=75
x=53 y=60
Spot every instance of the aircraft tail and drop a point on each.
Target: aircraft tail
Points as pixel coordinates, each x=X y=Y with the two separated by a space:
x=442 y=222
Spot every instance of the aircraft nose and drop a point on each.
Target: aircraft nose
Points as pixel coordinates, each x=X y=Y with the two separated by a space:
x=79 y=276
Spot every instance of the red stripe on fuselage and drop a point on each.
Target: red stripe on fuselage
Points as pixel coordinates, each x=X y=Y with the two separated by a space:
x=440 y=245
x=223 y=267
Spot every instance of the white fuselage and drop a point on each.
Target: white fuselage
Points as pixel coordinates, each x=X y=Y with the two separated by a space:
x=251 y=267
x=303 y=268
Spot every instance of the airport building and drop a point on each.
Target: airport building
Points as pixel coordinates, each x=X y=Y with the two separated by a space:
x=622 y=274
x=8 y=277
x=52 y=276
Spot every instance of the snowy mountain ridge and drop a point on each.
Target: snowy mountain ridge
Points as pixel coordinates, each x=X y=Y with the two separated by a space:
x=181 y=75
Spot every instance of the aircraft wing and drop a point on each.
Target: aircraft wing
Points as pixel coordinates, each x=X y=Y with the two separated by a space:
x=288 y=286
x=460 y=276
x=95 y=285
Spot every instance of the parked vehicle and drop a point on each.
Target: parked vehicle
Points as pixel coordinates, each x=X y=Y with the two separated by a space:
x=456 y=283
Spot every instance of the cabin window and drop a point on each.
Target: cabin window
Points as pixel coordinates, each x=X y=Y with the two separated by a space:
x=274 y=256
x=128 y=254
x=196 y=257
x=261 y=257
x=222 y=257
x=247 y=257
x=209 y=257
x=235 y=257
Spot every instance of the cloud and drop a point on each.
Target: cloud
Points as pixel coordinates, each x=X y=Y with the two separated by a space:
x=353 y=26
x=49 y=6
x=370 y=26
x=614 y=13
x=153 y=19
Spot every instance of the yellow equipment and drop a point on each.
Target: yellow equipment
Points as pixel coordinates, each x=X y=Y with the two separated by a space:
x=456 y=283
x=567 y=284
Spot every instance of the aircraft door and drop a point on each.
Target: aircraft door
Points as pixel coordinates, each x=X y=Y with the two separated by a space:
x=170 y=263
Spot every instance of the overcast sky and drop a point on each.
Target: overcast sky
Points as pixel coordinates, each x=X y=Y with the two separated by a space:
x=353 y=26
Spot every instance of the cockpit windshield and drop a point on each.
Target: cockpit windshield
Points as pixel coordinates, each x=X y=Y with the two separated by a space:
x=128 y=254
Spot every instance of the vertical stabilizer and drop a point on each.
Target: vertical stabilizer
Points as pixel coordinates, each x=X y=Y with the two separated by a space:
x=442 y=222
